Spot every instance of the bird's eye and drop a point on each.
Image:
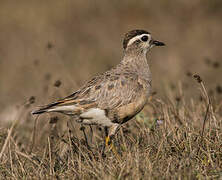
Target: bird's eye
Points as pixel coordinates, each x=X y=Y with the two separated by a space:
x=144 y=38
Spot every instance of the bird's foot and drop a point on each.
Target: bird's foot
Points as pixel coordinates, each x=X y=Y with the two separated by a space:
x=111 y=146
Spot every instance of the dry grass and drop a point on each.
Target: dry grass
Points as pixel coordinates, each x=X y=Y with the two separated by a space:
x=166 y=140
x=49 y=48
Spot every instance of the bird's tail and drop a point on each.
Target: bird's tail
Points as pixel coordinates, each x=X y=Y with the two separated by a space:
x=46 y=108
x=66 y=106
x=69 y=107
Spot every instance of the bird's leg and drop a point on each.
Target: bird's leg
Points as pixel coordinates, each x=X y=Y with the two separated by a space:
x=82 y=128
x=107 y=139
x=91 y=135
x=109 y=143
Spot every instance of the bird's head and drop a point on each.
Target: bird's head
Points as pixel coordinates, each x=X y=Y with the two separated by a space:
x=139 y=40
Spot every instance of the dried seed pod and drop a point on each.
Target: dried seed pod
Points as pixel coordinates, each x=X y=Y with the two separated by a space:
x=53 y=120
x=197 y=77
x=32 y=100
x=57 y=83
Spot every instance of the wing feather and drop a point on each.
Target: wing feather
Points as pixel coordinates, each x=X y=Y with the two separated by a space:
x=109 y=91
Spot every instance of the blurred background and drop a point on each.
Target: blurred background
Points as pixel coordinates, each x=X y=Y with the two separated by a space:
x=50 y=48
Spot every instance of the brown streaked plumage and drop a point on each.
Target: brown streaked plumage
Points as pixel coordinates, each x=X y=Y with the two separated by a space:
x=112 y=98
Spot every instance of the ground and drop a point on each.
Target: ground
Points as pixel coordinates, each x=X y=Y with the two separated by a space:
x=50 y=48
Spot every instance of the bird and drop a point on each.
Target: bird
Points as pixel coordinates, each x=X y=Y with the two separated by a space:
x=112 y=98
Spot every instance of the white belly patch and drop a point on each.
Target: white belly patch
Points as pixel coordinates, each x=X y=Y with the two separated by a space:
x=96 y=116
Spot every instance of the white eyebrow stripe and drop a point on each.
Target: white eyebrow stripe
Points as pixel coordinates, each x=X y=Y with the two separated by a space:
x=131 y=41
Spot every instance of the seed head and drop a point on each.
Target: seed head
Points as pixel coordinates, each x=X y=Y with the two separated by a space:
x=57 y=83
x=32 y=100
x=53 y=120
x=219 y=89
x=197 y=77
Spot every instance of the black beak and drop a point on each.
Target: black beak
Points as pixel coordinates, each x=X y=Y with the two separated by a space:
x=157 y=43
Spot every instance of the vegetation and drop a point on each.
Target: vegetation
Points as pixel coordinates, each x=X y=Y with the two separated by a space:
x=49 y=48
x=170 y=138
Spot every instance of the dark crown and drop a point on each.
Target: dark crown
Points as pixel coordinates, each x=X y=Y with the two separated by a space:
x=132 y=34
